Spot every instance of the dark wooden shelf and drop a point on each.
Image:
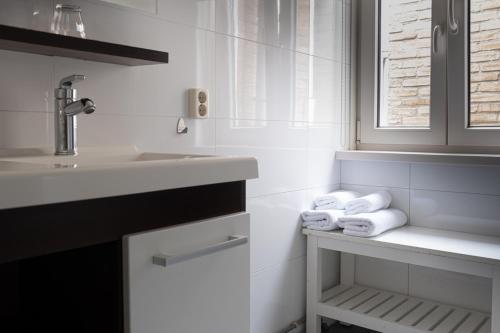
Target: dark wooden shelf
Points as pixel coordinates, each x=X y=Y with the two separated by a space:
x=39 y=42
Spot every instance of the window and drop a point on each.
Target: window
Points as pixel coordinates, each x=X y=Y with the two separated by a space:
x=473 y=74
x=484 y=83
x=429 y=72
x=405 y=64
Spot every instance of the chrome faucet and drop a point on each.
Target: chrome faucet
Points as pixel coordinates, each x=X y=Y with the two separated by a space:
x=66 y=109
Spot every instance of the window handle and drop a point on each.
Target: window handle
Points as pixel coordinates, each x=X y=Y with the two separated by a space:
x=452 y=21
x=436 y=31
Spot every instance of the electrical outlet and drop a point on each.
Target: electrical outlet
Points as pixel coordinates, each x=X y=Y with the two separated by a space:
x=198 y=103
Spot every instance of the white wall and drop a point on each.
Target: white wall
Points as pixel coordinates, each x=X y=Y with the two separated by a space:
x=276 y=72
x=463 y=198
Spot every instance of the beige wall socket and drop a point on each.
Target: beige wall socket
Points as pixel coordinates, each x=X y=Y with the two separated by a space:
x=198 y=103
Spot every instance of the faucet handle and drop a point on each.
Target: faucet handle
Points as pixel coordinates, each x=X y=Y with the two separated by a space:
x=68 y=81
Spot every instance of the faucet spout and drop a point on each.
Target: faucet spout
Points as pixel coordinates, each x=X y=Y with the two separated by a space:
x=85 y=105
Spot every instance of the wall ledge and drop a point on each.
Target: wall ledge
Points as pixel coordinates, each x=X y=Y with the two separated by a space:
x=413 y=157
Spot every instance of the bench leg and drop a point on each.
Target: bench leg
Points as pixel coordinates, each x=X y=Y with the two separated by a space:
x=314 y=285
x=347 y=273
x=495 y=297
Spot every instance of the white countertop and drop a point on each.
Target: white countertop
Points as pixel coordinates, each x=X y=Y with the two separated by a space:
x=465 y=246
x=30 y=177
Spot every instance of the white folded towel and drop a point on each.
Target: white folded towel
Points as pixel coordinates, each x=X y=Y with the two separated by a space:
x=369 y=203
x=335 y=200
x=372 y=224
x=323 y=220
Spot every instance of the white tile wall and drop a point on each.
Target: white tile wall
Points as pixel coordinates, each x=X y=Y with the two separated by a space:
x=456 y=178
x=261 y=82
x=279 y=146
x=323 y=140
x=35 y=72
x=465 y=212
x=475 y=292
x=25 y=129
x=20 y=13
x=268 y=22
x=276 y=229
x=280 y=297
x=463 y=198
x=145 y=5
x=389 y=174
x=380 y=274
x=196 y=13
x=276 y=75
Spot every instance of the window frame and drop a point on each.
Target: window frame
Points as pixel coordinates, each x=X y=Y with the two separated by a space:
x=449 y=117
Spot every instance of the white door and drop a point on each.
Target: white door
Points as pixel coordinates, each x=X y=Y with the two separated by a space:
x=190 y=278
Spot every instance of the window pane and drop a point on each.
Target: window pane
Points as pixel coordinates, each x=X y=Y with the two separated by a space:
x=405 y=63
x=484 y=63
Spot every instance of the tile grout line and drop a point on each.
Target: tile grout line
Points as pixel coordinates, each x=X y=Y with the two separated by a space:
x=409 y=193
x=292 y=191
x=380 y=186
x=268 y=44
x=425 y=190
x=340 y=174
x=456 y=192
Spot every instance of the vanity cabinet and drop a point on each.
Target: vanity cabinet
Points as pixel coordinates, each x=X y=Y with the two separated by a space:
x=190 y=278
x=87 y=266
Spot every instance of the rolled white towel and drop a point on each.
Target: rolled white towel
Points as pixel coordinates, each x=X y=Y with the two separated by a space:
x=372 y=224
x=369 y=203
x=323 y=220
x=335 y=200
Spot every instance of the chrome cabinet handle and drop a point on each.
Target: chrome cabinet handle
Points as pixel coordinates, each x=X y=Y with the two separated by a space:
x=452 y=21
x=436 y=31
x=166 y=260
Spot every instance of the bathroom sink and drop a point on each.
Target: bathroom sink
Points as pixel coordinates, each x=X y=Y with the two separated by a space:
x=87 y=159
x=31 y=177
x=15 y=166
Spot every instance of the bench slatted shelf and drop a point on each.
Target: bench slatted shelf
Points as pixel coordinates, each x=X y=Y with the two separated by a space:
x=390 y=312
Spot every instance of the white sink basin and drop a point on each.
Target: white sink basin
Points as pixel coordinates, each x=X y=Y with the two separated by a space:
x=17 y=166
x=92 y=159
x=36 y=177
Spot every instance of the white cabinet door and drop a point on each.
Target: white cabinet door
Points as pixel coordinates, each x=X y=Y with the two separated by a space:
x=190 y=278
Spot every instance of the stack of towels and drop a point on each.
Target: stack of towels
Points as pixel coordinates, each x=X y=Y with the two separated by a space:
x=362 y=216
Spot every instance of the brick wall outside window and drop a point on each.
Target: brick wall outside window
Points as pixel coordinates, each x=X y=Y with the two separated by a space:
x=407 y=62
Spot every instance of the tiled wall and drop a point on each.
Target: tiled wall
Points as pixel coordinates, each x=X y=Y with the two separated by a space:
x=462 y=198
x=276 y=72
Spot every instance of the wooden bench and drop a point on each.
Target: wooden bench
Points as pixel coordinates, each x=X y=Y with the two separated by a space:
x=390 y=312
